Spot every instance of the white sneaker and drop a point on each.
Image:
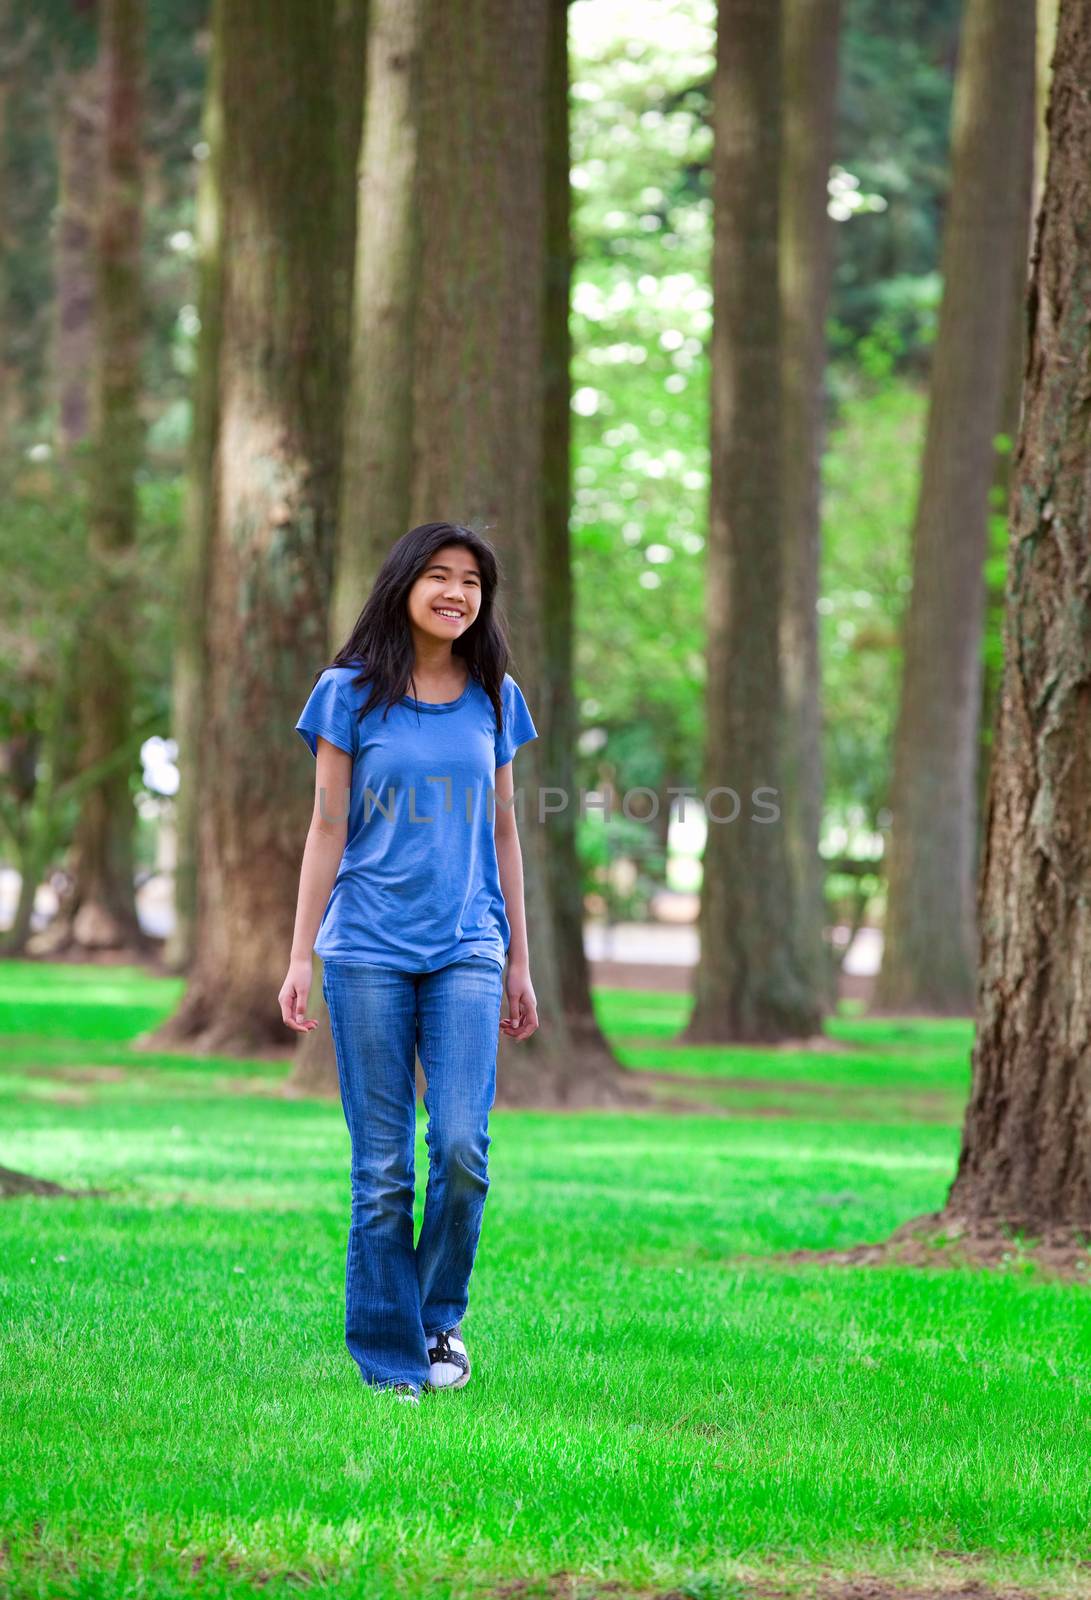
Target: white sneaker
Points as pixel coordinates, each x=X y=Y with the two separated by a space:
x=450 y=1363
x=405 y=1391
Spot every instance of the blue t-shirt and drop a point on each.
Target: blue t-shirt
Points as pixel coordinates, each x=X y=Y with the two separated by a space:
x=418 y=885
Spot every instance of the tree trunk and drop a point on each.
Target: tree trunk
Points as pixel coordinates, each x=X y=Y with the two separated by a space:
x=101 y=910
x=928 y=959
x=806 y=265
x=751 y=980
x=1026 y=1150
x=489 y=373
x=10 y=65
x=189 y=666
x=557 y=719
x=77 y=121
x=274 y=503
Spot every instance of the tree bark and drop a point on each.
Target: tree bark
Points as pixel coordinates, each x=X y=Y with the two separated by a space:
x=1026 y=1148
x=928 y=958
x=77 y=121
x=190 y=664
x=806 y=266
x=274 y=505
x=100 y=912
x=751 y=981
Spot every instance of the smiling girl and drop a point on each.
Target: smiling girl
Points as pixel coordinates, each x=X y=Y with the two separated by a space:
x=411 y=892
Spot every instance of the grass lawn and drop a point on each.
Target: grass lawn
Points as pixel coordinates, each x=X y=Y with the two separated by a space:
x=179 y=1415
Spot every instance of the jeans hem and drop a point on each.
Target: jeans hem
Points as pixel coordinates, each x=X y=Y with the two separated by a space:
x=416 y=1384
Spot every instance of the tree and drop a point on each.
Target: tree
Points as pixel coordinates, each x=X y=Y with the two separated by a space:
x=1025 y=1157
x=806 y=266
x=189 y=664
x=928 y=958
x=557 y=717
x=100 y=910
x=273 y=504
x=751 y=981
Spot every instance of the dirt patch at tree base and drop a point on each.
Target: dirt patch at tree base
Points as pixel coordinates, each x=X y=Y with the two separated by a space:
x=934 y=1240
x=13 y=1185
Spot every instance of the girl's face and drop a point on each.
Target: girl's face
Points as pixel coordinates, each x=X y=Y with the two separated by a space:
x=450 y=583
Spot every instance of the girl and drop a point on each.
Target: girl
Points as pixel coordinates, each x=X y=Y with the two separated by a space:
x=412 y=880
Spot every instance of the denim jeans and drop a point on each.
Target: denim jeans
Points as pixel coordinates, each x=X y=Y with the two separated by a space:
x=381 y=1018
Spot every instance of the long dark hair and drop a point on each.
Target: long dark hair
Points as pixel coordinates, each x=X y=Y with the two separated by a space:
x=381 y=643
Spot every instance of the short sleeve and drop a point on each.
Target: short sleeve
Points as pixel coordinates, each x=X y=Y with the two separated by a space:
x=327 y=713
x=518 y=726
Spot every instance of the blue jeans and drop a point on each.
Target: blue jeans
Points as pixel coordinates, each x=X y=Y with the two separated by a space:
x=381 y=1018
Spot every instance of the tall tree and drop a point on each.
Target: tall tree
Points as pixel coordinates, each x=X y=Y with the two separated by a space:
x=806 y=265
x=273 y=502
x=751 y=981
x=928 y=958
x=189 y=664
x=1026 y=1154
x=557 y=717
x=101 y=908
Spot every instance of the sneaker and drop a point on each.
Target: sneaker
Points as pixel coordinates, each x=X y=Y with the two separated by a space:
x=450 y=1363
x=405 y=1391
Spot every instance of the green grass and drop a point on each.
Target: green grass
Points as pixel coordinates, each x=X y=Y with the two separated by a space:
x=179 y=1416
x=890 y=1069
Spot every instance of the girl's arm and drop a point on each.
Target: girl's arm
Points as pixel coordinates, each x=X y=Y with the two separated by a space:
x=522 y=1018
x=322 y=852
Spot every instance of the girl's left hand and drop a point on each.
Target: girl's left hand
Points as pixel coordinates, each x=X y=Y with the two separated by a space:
x=522 y=1018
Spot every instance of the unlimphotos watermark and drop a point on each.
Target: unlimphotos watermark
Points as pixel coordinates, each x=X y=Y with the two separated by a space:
x=720 y=804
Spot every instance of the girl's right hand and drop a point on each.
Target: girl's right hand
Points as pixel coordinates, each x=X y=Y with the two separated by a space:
x=293 y=997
